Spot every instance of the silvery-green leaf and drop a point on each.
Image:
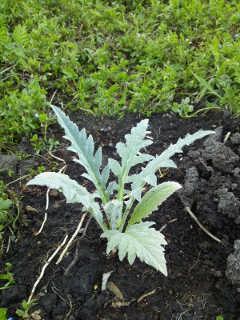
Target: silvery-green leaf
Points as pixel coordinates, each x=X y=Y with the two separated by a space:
x=139 y=240
x=98 y=157
x=114 y=166
x=130 y=154
x=113 y=210
x=152 y=200
x=83 y=146
x=73 y=192
x=141 y=158
x=135 y=141
x=137 y=193
x=112 y=187
x=163 y=160
x=151 y=179
x=105 y=174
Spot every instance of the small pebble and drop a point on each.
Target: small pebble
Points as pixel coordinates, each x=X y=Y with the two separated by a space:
x=30 y=209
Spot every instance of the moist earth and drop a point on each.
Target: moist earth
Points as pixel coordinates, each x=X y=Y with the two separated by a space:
x=203 y=276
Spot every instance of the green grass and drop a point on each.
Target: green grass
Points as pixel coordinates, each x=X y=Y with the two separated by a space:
x=112 y=57
x=5 y=217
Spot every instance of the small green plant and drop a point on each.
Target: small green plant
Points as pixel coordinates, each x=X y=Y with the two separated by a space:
x=3 y=313
x=184 y=108
x=219 y=317
x=125 y=203
x=5 y=205
x=6 y=278
x=41 y=144
x=24 y=311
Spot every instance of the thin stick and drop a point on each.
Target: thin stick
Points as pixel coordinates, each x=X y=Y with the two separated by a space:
x=8 y=68
x=75 y=259
x=43 y=224
x=47 y=199
x=192 y=215
x=45 y=213
x=8 y=245
x=166 y=224
x=227 y=137
x=45 y=267
x=71 y=239
x=53 y=95
x=18 y=179
x=57 y=158
x=46 y=208
x=147 y=294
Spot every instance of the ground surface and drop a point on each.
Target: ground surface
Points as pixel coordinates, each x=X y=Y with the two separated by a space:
x=196 y=287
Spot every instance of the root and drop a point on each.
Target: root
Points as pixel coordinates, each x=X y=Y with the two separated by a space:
x=47 y=197
x=192 y=215
x=45 y=267
x=18 y=179
x=147 y=294
x=45 y=213
x=75 y=259
x=71 y=239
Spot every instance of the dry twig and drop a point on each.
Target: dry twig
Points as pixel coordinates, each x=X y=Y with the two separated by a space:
x=18 y=179
x=75 y=259
x=72 y=238
x=47 y=198
x=227 y=136
x=45 y=267
x=145 y=295
x=192 y=215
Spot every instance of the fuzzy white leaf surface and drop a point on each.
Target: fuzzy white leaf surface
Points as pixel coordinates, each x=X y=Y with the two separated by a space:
x=139 y=240
x=113 y=210
x=130 y=153
x=83 y=146
x=147 y=175
x=73 y=192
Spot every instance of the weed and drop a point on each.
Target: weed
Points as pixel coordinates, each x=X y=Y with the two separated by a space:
x=24 y=311
x=3 y=313
x=6 y=278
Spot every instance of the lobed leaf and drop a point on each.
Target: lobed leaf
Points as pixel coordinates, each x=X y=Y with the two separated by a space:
x=130 y=154
x=163 y=160
x=83 y=146
x=139 y=240
x=73 y=192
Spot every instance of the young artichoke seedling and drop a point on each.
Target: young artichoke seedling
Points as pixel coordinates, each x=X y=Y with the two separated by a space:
x=120 y=207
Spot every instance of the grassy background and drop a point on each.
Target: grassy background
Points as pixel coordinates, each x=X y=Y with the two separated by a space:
x=109 y=57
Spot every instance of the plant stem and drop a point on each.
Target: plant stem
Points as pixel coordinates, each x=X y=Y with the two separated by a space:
x=126 y=213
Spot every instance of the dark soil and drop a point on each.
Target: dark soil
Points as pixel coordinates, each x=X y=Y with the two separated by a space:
x=196 y=287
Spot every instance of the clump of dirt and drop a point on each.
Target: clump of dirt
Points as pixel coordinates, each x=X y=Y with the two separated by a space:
x=218 y=155
x=228 y=203
x=216 y=168
x=233 y=265
x=196 y=287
